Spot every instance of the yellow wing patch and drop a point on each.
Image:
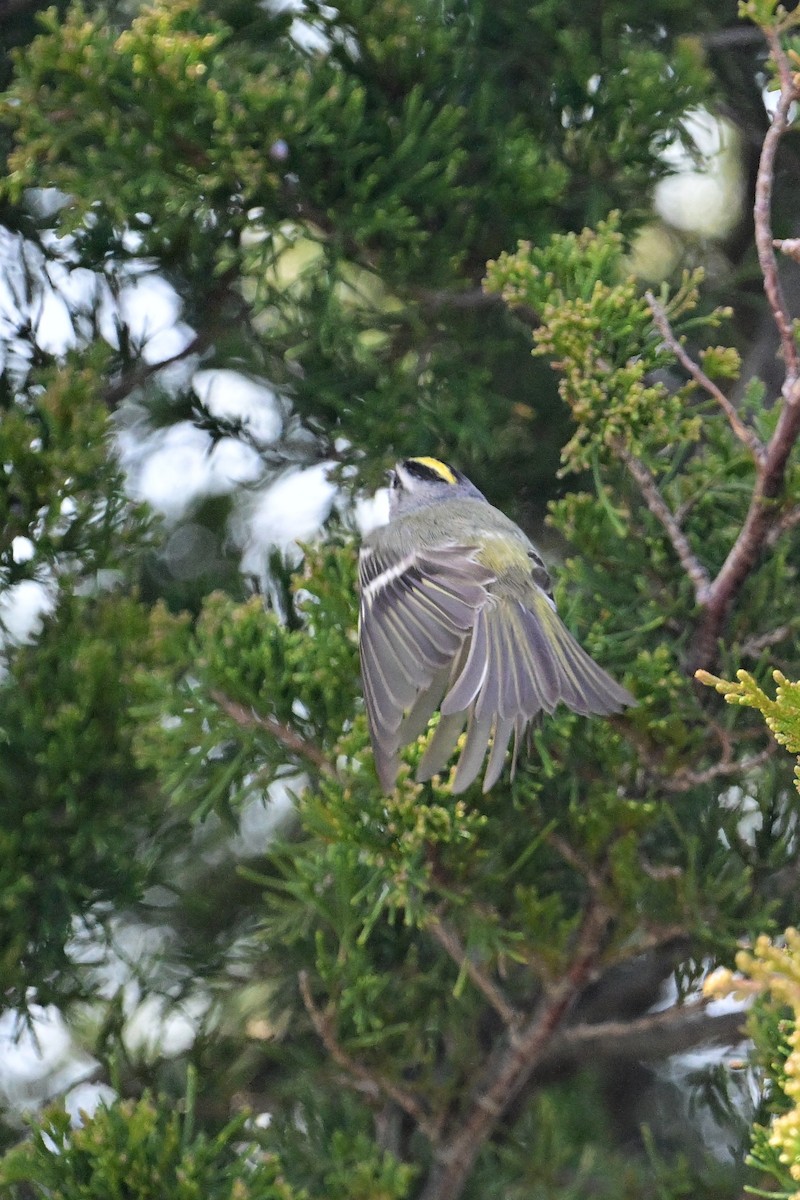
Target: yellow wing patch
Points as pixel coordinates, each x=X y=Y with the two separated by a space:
x=439 y=468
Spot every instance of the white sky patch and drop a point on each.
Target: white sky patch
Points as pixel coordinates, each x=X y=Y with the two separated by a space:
x=40 y=1062
x=23 y=607
x=751 y=818
x=149 y=306
x=370 y=512
x=84 y=1099
x=703 y=198
x=261 y=817
x=22 y=549
x=234 y=464
x=293 y=509
x=160 y=1028
x=177 y=471
x=230 y=395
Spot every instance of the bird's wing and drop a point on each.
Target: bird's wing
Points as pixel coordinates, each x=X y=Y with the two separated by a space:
x=520 y=659
x=415 y=615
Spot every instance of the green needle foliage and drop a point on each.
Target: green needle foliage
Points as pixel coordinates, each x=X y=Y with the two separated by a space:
x=429 y=997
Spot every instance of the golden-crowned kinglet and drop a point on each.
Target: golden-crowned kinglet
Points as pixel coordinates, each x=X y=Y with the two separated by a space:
x=457 y=614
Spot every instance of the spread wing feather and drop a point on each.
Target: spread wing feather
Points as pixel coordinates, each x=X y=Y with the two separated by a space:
x=434 y=634
x=414 y=618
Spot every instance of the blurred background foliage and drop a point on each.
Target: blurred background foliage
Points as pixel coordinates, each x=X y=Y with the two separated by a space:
x=190 y=818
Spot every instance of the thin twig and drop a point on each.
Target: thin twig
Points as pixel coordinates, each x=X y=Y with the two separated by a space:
x=661 y=511
x=450 y=942
x=788 y=521
x=752 y=647
x=743 y=432
x=288 y=737
x=684 y=780
x=762 y=209
x=369 y=1082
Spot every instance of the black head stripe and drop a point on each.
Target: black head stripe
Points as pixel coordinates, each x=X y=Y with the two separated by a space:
x=430 y=470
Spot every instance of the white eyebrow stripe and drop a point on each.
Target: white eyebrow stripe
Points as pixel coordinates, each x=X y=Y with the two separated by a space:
x=385 y=578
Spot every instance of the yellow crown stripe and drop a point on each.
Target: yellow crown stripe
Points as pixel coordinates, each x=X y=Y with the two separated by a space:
x=439 y=468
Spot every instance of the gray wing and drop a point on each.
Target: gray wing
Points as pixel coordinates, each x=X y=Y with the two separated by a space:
x=520 y=660
x=415 y=616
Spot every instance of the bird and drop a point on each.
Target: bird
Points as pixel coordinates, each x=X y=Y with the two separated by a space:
x=456 y=613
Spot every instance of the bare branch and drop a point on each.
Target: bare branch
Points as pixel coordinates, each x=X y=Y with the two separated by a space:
x=788 y=246
x=762 y=517
x=752 y=647
x=684 y=780
x=139 y=374
x=288 y=737
x=369 y=1083
x=762 y=209
x=788 y=521
x=661 y=511
x=455 y=1156
x=764 y=513
x=745 y=435
x=468 y=299
x=571 y=856
x=450 y=942
x=653 y=1036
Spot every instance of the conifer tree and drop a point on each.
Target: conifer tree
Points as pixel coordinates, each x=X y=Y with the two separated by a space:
x=432 y=997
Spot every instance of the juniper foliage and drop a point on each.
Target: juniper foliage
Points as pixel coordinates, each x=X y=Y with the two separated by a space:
x=431 y=997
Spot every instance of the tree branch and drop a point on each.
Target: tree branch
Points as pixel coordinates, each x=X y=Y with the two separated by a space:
x=455 y=1156
x=762 y=516
x=368 y=1082
x=450 y=942
x=764 y=512
x=684 y=780
x=762 y=209
x=788 y=521
x=139 y=374
x=752 y=647
x=743 y=432
x=289 y=738
x=653 y=1036
x=691 y=564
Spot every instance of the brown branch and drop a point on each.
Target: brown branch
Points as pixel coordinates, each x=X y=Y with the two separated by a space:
x=468 y=299
x=139 y=374
x=762 y=209
x=691 y=564
x=742 y=431
x=763 y=514
x=653 y=1036
x=761 y=518
x=367 y=1082
x=450 y=942
x=455 y=1156
x=289 y=738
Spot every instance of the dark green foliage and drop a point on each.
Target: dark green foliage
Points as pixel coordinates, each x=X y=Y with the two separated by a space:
x=78 y=815
x=325 y=217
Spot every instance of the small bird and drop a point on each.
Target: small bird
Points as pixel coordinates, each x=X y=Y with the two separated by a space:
x=457 y=613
